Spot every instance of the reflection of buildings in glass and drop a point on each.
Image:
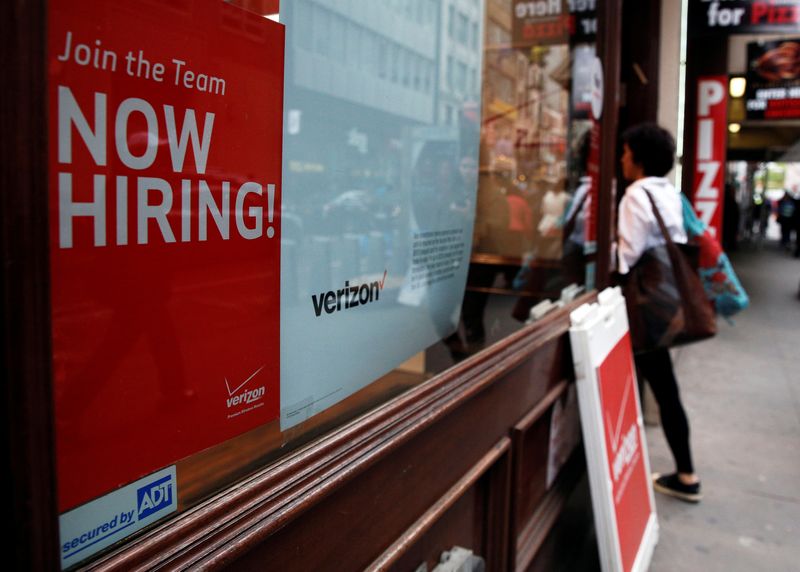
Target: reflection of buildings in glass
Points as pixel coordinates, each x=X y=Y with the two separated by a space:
x=365 y=91
x=526 y=89
x=500 y=74
x=551 y=70
x=525 y=111
x=543 y=153
x=384 y=58
x=354 y=82
x=459 y=58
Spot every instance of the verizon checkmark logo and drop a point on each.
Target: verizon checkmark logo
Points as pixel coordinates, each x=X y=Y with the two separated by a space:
x=232 y=391
x=249 y=395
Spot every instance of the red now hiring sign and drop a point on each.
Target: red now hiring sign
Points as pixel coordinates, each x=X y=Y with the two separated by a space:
x=164 y=135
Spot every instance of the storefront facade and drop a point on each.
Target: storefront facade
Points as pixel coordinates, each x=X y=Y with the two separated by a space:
x=449 y=162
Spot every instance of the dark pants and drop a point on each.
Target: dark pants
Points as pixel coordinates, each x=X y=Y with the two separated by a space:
x=797 y=237
x=656 y=368
x=786 y=232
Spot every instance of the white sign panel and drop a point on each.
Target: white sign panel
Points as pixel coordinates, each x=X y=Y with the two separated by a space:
x=616 y=450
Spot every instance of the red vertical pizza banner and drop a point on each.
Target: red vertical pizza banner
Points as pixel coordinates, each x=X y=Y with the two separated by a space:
x=710 y=145
x=164 y=135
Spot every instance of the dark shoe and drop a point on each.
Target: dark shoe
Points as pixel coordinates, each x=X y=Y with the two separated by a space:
x=671 y=485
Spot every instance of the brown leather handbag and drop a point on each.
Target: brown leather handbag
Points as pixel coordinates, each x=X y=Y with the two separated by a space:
x=667 y=305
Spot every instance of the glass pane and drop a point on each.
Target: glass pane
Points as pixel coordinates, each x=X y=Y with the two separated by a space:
x=539 y=161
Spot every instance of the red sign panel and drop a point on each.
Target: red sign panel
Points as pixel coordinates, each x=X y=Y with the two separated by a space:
x=626 y=463
x=773 y=79
x=165 y=126
x=539 y=23
x=711 y=141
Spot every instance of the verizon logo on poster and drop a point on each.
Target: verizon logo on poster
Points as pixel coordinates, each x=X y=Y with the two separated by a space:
x=165 y=134
x=711 y=125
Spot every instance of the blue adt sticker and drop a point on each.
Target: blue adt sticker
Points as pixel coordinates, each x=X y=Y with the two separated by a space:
x=154 y=497
x=96 y=525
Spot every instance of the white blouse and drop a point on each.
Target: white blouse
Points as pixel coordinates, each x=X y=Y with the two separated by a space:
x=637 y=227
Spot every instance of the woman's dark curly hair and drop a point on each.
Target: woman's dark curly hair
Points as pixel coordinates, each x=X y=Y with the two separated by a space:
x=653 y=148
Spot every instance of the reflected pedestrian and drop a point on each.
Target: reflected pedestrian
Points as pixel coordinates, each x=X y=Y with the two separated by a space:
x=787 y=208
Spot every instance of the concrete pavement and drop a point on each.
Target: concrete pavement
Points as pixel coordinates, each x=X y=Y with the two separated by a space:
x=742 y=394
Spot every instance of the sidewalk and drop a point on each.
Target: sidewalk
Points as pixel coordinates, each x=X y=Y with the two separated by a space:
x=742 y=394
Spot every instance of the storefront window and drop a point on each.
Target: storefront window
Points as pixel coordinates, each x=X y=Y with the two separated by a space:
x=254 y=241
